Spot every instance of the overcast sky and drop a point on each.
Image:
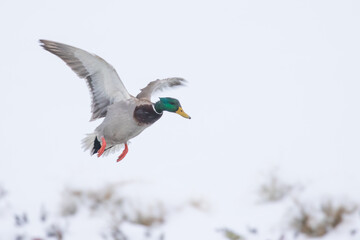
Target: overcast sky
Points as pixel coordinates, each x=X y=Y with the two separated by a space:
x=270 y=84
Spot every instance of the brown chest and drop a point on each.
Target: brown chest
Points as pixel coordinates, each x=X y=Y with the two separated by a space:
x=145 y=114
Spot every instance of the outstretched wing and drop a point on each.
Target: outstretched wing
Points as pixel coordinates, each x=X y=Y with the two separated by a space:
x=102 y=79
x=158 y=85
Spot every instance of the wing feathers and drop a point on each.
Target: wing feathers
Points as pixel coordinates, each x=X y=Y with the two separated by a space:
x=159 y=85
x=102 y=79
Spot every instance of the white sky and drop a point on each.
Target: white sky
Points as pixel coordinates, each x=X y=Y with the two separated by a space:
x=271 y=84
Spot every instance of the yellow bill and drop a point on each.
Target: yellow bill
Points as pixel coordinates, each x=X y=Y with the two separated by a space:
x=181 y=112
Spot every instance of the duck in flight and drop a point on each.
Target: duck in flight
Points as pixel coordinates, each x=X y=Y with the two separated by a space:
x=125 y=116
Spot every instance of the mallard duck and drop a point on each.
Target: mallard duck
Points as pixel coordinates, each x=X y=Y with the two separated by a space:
x=125 y=116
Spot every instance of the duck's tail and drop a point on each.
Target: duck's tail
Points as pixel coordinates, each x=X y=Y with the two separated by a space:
x=91 y=142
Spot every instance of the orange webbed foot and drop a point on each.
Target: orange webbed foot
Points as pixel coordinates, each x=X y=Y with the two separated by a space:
x=103 y=146
x=123 y=154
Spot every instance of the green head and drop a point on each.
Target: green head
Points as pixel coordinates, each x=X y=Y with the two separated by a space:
x=170 y=105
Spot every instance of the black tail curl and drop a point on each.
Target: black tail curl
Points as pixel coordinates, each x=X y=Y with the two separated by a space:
x=96 y=147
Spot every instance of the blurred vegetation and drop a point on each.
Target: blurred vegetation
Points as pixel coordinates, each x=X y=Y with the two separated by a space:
x=230 y=234
x=3 y=192
x=110 y=201
x=317 y=222
x=274 y=189
x=116 y=208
